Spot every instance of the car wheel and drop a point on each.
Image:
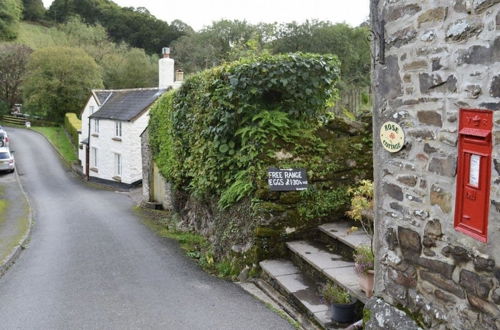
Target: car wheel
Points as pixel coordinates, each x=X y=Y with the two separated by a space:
x=2 y=144
x=12 y=171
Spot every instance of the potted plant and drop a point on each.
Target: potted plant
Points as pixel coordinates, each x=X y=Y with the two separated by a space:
x=342 y=305
x=363 y=265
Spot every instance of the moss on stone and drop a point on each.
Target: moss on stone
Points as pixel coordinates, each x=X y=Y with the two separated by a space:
x=291 y=197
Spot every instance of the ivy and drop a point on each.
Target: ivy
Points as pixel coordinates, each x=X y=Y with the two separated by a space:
x=217 y=134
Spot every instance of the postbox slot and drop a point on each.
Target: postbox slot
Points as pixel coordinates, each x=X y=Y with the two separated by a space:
x=475 y=133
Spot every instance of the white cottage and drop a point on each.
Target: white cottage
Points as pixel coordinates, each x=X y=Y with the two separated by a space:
x=112 y=121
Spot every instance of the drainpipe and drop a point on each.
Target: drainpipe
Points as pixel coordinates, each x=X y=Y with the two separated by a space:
x=87 y=156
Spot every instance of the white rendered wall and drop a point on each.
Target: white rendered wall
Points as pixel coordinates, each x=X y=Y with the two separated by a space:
x=85 y=128
x=129 y=148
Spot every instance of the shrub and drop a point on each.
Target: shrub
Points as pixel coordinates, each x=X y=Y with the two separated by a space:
x=334 y=294
x=72 y=125
x=214 y=136
x=362 y=205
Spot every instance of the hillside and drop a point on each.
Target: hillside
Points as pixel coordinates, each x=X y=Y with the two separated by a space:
x=37 y=36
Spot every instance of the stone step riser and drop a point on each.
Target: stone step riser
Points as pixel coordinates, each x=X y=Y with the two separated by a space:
x=291 y=299
x=334 y=245
x=323 y=266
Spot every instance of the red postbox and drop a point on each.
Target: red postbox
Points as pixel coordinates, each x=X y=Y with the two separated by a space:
x=474 y=173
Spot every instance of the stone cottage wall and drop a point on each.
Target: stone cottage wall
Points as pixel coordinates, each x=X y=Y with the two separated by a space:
x=431 y=58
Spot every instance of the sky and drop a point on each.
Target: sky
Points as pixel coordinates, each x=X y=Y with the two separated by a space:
x=199 y=13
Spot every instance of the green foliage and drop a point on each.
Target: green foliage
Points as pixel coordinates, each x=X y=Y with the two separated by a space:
x=59 y=139
x=224 y=40
x=214 y=135
x=362 y=199
x=361 y=208
x=13 y=63
x=59 y=81
x=4 y=108
x=227 y=40
x=10 y=15
x=364 y=259
x=33 y=10
x=135 y=26
x=317 y=204
x=121 y=65
x=129 y=68
x=334 y=294
x=351 y=45
x=72 y=125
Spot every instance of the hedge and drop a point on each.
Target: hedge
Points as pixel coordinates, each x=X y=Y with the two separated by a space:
x=217 y=134
x=72 y=125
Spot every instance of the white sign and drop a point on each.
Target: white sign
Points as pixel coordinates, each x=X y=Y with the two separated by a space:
x=392 y=136
x=475 y=165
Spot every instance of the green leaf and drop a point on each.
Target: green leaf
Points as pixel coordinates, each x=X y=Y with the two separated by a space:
x=223 y=148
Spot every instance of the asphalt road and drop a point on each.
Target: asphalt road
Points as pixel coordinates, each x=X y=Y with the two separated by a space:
x=91 y=264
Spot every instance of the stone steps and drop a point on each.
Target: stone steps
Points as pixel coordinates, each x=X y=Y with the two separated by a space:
x=342 y=231
x=330 y=266
x=303 y=290
x=312 y=264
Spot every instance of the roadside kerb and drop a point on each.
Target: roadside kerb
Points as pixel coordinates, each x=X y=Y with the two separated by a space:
x=16 y=251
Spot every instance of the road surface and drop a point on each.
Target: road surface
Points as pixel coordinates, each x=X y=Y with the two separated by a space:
x=91 y=263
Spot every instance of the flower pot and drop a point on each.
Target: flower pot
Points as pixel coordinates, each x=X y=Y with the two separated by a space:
x=366 y=282
x=343 y=313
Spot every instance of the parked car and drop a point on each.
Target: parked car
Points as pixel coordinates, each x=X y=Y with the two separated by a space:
x=7 y=162
x=4 y=139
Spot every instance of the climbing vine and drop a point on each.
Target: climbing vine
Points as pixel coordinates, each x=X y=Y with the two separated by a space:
x=217 y=134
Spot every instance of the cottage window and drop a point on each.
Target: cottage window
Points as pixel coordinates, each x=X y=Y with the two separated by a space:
x=118 y=128
x=118 y=164
x=96 y=125
x=94 y=157
x=92 y=109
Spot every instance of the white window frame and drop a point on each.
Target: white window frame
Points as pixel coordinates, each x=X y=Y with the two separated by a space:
x=92 y=109
x=118 y=128
x=94 y=157
x=118 y=161
x=96 y=125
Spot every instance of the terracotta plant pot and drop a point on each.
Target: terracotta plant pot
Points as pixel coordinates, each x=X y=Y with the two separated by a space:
x=344 y=313
x=366 y=282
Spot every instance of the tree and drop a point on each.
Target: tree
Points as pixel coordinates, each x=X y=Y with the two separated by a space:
x=33 y=10
x=13 y=64
x=59 y=81
x=131 y=68
x=135 y=26
x=350 y=44
x=10 y=15
x=224 y=40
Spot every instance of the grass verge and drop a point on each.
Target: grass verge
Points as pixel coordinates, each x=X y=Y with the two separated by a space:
x=195 y=246
x=60 y=140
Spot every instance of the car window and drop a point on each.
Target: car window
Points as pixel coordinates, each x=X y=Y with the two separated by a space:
x=4 y=155
x=2 y=135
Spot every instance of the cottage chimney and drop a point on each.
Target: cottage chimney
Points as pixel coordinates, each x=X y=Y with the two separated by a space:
x=166 y=70
x=179 y=76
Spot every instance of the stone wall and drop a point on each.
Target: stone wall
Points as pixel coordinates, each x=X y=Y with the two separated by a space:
x=432 y=58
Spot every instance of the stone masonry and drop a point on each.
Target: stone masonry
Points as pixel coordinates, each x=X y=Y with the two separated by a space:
x=432 y=58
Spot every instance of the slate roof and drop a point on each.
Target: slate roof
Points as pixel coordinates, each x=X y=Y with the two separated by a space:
x=101 y=96
x=125 y=104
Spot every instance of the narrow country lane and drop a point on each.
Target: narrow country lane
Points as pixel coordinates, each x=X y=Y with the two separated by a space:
x=91 y=264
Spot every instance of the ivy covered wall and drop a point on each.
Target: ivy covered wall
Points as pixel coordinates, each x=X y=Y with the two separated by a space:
x=215 y=138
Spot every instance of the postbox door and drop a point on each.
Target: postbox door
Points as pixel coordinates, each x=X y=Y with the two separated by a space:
x=474 y=196
x=474 y=173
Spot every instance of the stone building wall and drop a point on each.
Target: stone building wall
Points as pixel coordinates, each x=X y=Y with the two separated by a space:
x=432 y=58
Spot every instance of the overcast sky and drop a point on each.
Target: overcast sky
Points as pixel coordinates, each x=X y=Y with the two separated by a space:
x=199 y=13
